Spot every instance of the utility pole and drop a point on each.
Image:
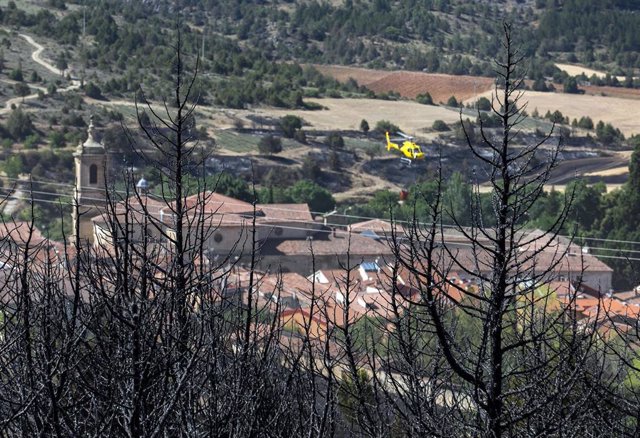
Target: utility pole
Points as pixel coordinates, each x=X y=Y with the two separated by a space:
x=204 y=32
x=83 y=49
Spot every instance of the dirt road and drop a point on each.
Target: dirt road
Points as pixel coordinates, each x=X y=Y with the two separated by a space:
x=36 y=56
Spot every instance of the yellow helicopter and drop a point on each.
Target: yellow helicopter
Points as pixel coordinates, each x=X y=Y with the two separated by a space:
x=409 y=148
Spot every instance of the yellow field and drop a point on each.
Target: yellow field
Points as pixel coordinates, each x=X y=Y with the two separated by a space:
x=575 y=70
x=621 y=113
x=347 y=113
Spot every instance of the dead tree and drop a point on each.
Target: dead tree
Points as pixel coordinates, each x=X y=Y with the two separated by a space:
x=508 y=352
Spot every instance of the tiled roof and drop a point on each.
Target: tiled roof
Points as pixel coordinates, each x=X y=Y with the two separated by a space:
x=287 y=212
x=378 y=226
x=325 y=243
x=20 y=232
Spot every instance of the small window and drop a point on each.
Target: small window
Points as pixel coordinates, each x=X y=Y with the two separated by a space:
x=217 y=237
x=93 y=174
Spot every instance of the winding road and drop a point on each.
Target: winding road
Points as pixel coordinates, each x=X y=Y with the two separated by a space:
x=35 y=55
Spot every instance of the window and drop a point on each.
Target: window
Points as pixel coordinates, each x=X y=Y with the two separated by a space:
x=217 y=237
x=277 y=231
x=93 y=174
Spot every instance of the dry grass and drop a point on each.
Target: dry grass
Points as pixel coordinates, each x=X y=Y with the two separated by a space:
x=575 y=70
x=610 y=172
x=347 y=113
x=620 y=112
x=554 y=187
x=622 y=92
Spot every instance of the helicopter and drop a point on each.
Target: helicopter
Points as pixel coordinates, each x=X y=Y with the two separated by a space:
x=409 y=148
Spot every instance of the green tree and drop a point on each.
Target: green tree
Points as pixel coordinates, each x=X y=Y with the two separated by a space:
x=424 y=99
x=364 y=126
x=14 y=166
x=452 y=101
x=16 y=75
x=440 y=125
x=353 y=394
x=56 y=139
x=585 y=122
x=19 y=124
x=93 y=91
x=289 y=124
x=270 y=145
x=21 y=89
x=318 y=198
x=606 y=133
x=457 y=199
x=62 y=62
x=483 y=104
x=570 y=85
x=230 y=185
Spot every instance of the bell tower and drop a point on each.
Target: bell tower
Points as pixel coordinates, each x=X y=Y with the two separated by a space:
x=91 y=164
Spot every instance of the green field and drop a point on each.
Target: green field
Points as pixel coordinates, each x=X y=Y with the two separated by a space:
x=246 y=143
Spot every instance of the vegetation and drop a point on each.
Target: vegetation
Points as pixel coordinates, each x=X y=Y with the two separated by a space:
x=334 y=140
x=440 y=125
x=160 y=330
x=269 y=145
x=290 y=124
x=383 y=126
x=364 y=126
x=424 y=99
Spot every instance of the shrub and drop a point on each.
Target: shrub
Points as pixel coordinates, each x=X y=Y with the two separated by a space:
x=19 y=124
x=424 y=99
x=93 y=91
x=311 y=169
x=21 y=89
x=383 y=126
x=289 y=124
x=483 y=104
x=56 y=139
x=585 y=123
x=452 y=101
x=334 y=140
x=14 y=166
x=440 y=126
x=373 y=151
x=16 y=75
x=571 y=85
x=364 y=126
x=270 y=145
x=31 y=142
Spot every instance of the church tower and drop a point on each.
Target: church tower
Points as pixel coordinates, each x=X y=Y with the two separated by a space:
x=91 y=164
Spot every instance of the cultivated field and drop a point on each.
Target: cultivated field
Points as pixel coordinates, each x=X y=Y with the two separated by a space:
x=620 y=112
x=343 y=114
x=575 y=70
x=622 y=92
x=410 y=84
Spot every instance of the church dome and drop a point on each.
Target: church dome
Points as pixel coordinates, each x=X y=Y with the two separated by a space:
x=142 y=185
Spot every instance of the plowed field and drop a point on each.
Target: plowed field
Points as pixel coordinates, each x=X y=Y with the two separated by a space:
x=410 y=84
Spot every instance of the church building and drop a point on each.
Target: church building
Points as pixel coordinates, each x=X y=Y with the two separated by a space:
x=91 y=163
